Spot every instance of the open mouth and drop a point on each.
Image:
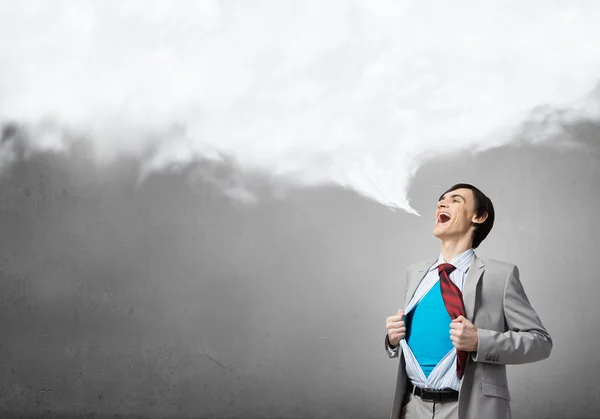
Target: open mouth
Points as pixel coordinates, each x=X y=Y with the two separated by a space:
x=443 y=217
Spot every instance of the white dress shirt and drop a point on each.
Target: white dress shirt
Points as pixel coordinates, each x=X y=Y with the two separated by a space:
x=444 y=373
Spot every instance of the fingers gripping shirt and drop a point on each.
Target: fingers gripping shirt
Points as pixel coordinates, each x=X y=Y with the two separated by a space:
x=443 y=374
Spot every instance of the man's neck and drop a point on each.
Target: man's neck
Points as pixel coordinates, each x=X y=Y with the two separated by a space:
x=453 y=248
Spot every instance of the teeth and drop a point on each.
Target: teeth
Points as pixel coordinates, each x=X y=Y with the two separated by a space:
x=443 y=213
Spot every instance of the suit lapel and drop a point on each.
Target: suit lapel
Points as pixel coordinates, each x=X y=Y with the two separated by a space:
x=476 y=269
x=470 y=289
x=415 y=277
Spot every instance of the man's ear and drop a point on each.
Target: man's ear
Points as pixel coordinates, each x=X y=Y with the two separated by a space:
x=479 y=220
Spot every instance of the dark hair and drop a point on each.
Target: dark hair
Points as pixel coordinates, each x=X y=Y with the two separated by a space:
x=483 y=205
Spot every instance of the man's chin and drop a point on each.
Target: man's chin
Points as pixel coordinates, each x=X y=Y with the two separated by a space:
x=439 y=232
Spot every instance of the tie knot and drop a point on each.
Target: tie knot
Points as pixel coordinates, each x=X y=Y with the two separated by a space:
x=446 y=267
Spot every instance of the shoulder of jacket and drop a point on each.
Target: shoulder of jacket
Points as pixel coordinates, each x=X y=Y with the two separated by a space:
x=498 y=265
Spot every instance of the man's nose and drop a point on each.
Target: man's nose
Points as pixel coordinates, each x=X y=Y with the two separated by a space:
x=441 y=204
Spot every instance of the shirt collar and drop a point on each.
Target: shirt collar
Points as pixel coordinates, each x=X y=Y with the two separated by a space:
x=462 y=261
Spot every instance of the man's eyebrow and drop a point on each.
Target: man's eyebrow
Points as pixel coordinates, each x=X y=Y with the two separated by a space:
x=454 y=196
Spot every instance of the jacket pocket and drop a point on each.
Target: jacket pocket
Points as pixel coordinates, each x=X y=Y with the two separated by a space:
x=495 y=390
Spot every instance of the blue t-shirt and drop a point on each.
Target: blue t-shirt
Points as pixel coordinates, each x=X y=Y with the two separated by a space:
x=428 y=330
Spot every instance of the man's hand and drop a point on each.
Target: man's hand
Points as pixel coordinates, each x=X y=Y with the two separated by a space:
x=395 y=327
x=463 y=334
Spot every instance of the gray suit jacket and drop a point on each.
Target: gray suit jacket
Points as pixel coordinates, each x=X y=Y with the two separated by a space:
x=509 y=332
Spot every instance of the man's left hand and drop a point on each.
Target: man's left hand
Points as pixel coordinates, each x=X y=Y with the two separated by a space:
x=463 y=334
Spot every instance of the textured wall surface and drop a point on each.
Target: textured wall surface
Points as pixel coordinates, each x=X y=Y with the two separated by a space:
x=170 y=301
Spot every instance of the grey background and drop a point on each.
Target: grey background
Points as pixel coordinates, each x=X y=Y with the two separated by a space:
x=170 y=300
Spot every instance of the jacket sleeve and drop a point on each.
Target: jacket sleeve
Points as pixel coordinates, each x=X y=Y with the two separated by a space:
x=391 y=352
x=526 y=340
x=395 y=352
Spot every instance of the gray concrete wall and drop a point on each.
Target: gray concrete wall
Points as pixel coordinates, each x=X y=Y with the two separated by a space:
x=171 y=301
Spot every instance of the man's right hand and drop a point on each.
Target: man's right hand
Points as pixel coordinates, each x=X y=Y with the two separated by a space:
x=395 y=327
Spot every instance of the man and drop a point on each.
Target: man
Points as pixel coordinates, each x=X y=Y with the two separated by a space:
x=464 y=320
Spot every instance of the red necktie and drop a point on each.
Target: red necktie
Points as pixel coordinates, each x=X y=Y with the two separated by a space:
x=452 y=297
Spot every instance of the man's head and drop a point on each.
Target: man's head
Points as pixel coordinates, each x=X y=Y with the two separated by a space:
x=464 y=211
